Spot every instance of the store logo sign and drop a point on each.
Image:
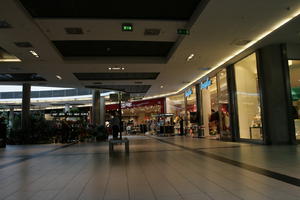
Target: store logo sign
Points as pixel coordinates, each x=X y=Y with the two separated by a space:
x=188 y=93
x=205 y=84
x=126 y=105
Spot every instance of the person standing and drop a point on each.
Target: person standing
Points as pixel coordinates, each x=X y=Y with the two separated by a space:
x=115 y=123
x=2 y=132
x=181 y=125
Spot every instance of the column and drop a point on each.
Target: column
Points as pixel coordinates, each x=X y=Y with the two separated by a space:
x=25 y=117
x=102 y=111
x=96 y=108
x=275 y=90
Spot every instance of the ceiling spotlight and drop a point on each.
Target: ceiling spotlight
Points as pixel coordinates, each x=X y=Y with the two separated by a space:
x=58 y=77
x=123 y=68
x=290 y=62
x=34 y=53
x=190 y=57
x=161 y=86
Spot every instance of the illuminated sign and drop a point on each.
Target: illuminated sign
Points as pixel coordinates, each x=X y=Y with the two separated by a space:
x=205 y=84
x=127 y=27
x=183 y=31
x=188 y=93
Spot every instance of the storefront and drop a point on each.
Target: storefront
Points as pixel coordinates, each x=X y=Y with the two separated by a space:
x=176 y=105
x=214 y=102
x=139 y=116
x=294 y=72
x=191 y=111
x=248 y=98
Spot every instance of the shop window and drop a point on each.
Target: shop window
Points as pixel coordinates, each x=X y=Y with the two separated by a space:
x=176 y=105
x=248 y=98
x=294 y=66
x=216 y=119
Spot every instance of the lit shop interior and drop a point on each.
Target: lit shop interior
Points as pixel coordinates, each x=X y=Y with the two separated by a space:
x=176 y=105
x=294 y=66
x=139 y=116
x=215 y=109
x=248 y=98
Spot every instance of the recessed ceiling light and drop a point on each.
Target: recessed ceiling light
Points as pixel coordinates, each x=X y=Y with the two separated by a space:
x=116 y=68
x=123 y=68
x=161 y=86
x=190 y=57
x=34 y=53
x=58 y=77
x=290 y=62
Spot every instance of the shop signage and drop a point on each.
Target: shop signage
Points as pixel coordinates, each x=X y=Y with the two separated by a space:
x=205 y=84
x=188 y=93
x=126 y=105
x=68 y=114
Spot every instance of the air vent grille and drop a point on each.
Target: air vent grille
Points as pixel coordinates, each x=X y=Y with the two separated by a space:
x=23 y=44
x=74 y=31
x=4 y=24
x=152 y=31
x=241 y=42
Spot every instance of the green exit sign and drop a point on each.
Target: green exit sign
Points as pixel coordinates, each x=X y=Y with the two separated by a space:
x=183 y=31
x=127 y=27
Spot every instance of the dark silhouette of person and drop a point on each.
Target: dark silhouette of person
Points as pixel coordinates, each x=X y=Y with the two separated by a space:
x=2 y=132
x=181 y=126
x=115 y=123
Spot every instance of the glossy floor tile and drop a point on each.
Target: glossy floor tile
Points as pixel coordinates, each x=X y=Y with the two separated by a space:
x=156 y=168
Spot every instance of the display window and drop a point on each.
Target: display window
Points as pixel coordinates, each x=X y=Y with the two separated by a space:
x=215 y=113
x=176 y=105
x=294 y=66
x=191 y=111
x=248 y=98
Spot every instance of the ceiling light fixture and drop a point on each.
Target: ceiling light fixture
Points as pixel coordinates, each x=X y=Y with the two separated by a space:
x=58 y=77
x=116 y=68
x=34 y=53
x=257 y=39
x=161 y=86
x=290 y=62
x=190 y=57
x=10 y=60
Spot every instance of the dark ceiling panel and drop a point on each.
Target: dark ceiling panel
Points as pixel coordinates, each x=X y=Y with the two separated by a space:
x=112 y=9
x=117 y=76
x=123 y=88
x=95 y=48
x=21 y=77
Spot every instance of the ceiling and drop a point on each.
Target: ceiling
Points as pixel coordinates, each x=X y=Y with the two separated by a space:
x=74 y=37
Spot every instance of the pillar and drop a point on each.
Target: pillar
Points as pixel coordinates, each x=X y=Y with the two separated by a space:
x=96 y=108
x=102 y=110
x=275 y=95
x=25 y=117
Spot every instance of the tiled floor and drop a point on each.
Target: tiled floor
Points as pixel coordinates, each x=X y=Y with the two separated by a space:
x=153 y=170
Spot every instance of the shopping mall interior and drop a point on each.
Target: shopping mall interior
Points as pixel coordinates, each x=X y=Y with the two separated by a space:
x=117 y=100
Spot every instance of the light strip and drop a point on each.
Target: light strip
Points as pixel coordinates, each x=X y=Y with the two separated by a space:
x=257 y=39
x=10 y=60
